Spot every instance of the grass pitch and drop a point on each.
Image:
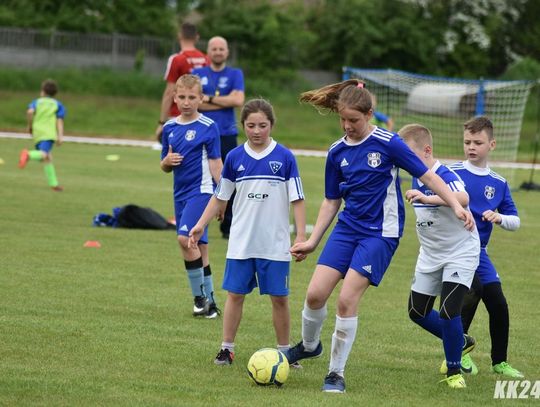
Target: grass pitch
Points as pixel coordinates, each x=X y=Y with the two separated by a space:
x=113 y=326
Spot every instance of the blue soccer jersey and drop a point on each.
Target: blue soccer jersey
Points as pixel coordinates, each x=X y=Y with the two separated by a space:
x=197 y=141
x=365 y=176
x=265 y=184
x=221 y=83
x=487 y=191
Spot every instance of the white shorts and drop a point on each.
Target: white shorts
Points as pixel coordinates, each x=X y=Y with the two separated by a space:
x=429 y=281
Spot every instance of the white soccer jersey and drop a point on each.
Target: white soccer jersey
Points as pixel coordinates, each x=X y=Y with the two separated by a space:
x=443 y=238
x=265 y=184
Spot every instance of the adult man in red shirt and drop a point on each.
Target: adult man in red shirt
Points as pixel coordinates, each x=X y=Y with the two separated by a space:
x=179 y=64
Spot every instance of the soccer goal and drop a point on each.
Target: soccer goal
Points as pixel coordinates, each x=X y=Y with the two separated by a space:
x=444 y=104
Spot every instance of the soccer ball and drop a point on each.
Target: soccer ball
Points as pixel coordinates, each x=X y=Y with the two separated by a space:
x=268 y=366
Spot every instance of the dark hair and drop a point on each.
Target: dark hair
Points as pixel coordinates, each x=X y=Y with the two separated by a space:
x=479 y=123
x=49 y=87
x=188 y=31
x=255 y=106
x=347 y=94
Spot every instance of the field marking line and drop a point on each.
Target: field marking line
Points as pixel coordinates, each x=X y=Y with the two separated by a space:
x=151 y=144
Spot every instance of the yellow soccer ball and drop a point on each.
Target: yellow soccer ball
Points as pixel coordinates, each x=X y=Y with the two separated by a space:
x=268 y=366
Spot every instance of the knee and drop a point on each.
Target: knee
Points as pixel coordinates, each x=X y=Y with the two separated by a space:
x=183 y=241
x=236 y=299
x=314 y=299
x=280 y=302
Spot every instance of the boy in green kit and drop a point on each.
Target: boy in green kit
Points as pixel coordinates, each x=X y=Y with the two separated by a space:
x=46 y=125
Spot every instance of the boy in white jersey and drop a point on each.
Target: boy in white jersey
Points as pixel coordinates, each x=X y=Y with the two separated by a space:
x=191 y=150
x=266 y=180
x=491 y=204
x=447 y=260
x=362 y=170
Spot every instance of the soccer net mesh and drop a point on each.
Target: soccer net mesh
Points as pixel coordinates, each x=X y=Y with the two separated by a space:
x=444 y=104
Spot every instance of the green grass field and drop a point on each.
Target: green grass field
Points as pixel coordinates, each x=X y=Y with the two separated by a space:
x=113 y=326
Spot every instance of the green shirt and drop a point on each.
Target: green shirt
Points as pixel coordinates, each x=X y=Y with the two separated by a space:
x=47 y=111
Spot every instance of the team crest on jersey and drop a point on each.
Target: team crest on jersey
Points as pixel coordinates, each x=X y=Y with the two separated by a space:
x=275 y=166
x=374 y=159
x=489 y=192
x=190 y=135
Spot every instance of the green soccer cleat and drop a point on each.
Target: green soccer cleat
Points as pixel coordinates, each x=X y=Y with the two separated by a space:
x=468 y=345
x=455 y=381
x=468 y=365
x=505 y=369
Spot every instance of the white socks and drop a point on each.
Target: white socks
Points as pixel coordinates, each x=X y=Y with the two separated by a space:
x=312 y=322
x=342 y=341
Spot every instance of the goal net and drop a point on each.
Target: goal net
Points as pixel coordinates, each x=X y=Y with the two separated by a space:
x=444 y=104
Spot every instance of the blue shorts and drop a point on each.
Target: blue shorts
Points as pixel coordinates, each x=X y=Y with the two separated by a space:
x=242 y=276
x=187 y=214
x=486 y=270
x=366 y=254
x=45 y=146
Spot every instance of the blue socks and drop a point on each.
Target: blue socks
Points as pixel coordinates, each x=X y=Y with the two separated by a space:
x=431 y=323
x=452 y=330
x=196 y=276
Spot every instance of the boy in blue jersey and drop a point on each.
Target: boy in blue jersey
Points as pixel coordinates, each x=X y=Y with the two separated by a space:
x=491 y=204
x=191 y=151
x=46 y=125
x=447 y=260
x=362 y=170
x=265 y=177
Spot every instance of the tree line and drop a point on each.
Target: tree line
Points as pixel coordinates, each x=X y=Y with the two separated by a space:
x=459 y=38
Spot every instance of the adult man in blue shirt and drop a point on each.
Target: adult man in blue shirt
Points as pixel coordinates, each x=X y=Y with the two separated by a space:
x=223 y=89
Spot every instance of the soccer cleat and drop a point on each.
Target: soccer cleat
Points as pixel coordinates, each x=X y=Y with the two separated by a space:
x=224 y=357
x=468 y=365
x=455 y=381
x=213 y=311
x=57 y=188
x=505 y=369
x=334 y=383
x=23 y=158
x=200 y=306
x=468 y=345
x=297 y=352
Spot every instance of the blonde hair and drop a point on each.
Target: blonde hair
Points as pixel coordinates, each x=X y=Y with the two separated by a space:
x=189 y=81
x=350 y=94
x=418 y=134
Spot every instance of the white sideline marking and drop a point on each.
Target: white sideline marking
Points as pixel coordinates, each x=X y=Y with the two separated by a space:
x=150 y=144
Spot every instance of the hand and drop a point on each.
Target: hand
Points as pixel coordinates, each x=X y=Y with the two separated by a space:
x=414 y=195
x=220 y=215
x=59 y=141
x=173 y=159
x=493 y=217
x=194 y=235
x=466 y=216
x=301 y=250
x=299 y=256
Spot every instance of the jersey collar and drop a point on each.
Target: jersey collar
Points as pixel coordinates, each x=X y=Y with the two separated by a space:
x=262 y=154
x=357 y=143
x=476 y=170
